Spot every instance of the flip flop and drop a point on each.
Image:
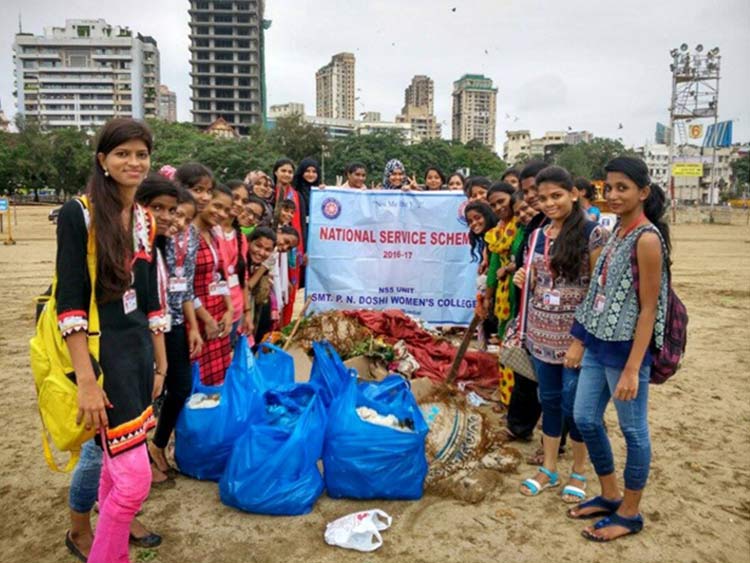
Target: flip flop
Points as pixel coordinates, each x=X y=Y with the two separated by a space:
x=535 y=487
x=607 y=507
x=73 y=548
x=578 y=492
x=150 y=540
x=633 y=525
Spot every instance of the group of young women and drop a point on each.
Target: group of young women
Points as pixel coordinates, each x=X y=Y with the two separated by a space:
x=185 y=264
x=589 y=328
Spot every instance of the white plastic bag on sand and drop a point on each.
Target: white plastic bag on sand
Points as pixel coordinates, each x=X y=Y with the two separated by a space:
x=360 y=530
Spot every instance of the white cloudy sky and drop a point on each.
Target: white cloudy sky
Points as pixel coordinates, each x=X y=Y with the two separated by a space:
x=587 y=64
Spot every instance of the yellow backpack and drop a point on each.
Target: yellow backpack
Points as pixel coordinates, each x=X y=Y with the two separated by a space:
x=57 y=393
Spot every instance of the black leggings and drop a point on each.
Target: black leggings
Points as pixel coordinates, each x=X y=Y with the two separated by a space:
x=524 y=409
x=178 y=383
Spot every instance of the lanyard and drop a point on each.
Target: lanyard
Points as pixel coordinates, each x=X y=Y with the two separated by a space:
x=163 y=277
x=229 y=250
x=547 y=260
x=139 y=250
x=226 y=263
x=214 y=255
x=181 y=247
x=605 y=268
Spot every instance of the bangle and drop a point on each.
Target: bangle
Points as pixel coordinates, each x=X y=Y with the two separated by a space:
x=247 y=310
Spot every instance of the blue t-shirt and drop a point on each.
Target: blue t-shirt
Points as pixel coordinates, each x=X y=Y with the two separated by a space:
x=593 y=213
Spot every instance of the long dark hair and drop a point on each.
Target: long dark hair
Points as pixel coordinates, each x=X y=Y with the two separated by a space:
x=184 y=196
x=655 y=206
x=511 y=172
x=260 y=232
x=153 y=186
x=234 y=185
x=114 y=244
x=501 y=187
x=263 y=232
x=460 y=177
x=353 y=167
x=438 y=171
x=585 y=188
x=490 y=222
x=191 y=173
x=571 y=244
x=278 y=164
x=156 y=185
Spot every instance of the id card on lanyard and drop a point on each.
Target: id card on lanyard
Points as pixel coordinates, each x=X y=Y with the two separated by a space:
x=551 y=296
x=217 y=287
x=229 y=258
x=130 y=297
x=178 y=282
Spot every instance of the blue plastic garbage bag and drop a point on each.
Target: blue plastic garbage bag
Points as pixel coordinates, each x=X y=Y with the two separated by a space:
x=276 y=367
x=204 y=436
x=363 y=460
x=273 y=467
x=328 y=372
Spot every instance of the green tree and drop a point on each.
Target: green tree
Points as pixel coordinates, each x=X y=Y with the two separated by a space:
x=478 y=158
x=372 y=150
x=741 y=175
x=296 y=139
x=588 y=159
x=33 y=156
x=8 y=170
x=70 y=160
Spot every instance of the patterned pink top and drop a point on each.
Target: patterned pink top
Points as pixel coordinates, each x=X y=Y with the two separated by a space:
x=552 y=306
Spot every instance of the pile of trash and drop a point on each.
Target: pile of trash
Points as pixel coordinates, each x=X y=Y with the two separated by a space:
x=398 y=343
x=466 y=454
x=348 y=337
x=275 y=435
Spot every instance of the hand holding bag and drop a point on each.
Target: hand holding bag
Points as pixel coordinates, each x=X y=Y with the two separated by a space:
x=513 y=353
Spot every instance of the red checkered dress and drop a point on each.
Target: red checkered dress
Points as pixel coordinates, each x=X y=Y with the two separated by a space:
x=217 y=353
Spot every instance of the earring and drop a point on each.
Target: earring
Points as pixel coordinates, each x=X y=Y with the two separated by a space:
x=106 y=172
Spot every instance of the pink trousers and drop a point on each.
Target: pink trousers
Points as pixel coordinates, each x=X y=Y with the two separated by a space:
x=124 y=485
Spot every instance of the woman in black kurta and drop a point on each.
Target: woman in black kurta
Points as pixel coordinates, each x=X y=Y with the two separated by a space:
x=131 y=327
x=126 y=349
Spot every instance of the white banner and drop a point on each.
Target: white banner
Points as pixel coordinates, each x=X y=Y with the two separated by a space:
x=382 y=249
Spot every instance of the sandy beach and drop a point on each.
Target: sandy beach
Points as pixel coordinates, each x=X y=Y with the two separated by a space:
x=697 y=505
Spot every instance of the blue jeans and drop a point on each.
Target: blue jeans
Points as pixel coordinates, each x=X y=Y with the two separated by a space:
x=557 y=392
x=84 y=485
x=595 y=387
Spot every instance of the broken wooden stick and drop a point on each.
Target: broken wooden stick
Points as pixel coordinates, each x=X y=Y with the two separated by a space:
x=475 y=322
x=296 y=325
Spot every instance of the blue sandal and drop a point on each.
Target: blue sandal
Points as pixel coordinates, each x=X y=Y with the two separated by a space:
x=607 y=507
x=578 y=492
x=535 y=487
x=632 y=525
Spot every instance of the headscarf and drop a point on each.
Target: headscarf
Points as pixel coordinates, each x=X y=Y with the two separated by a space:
x=390 y=167
x=302 y=185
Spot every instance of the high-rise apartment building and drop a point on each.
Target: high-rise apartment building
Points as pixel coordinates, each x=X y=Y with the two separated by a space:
x=227 y=62
x=474 y=109
x=167 y=104
x=85 y=73
x=418 y=108
x=334 y=88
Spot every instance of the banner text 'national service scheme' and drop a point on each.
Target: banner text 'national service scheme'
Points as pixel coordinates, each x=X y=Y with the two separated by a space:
x=381 y=249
